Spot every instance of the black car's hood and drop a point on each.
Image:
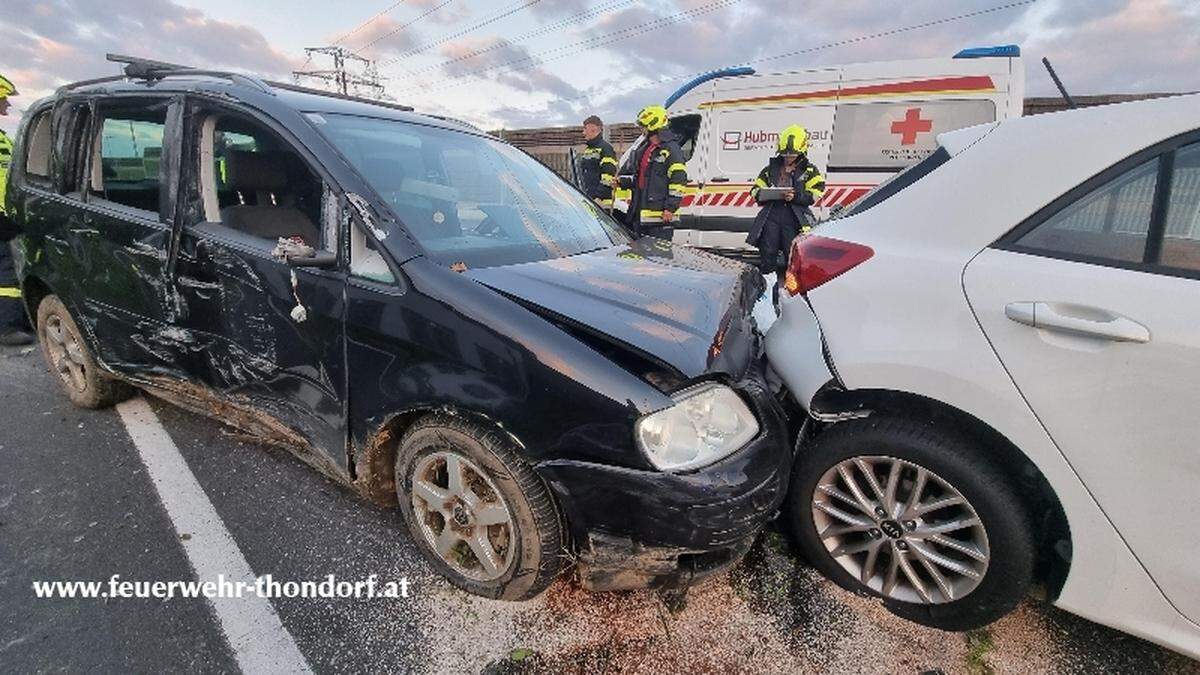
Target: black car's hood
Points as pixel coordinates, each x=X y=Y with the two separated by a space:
x=677 y=305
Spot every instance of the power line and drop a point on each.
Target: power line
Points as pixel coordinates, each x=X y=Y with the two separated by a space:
x=486 y=22
x=894 y=31
x=830 y=45
x=403 y=26
x=595 y=42
x=368 y=22
x=591 y=13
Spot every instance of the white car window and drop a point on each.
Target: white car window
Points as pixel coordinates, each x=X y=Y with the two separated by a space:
x=1109 y=223
x=1181 y=242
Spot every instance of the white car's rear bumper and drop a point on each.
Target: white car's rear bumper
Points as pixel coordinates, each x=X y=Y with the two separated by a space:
x=795 y=349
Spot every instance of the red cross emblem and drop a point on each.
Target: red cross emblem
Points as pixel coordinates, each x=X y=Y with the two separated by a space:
x=910 y=126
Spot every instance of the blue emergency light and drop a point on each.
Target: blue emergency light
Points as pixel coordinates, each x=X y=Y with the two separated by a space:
x=984 y=52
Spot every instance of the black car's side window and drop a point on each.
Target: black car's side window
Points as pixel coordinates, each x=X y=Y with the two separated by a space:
x=1110 y=223
x=37 y=151
x=254 y=185
x=1181 y=236
x=127 y=158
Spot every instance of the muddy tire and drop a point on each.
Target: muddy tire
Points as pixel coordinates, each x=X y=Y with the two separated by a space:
x=915 y=515
x=69 y=358
x=481 y=516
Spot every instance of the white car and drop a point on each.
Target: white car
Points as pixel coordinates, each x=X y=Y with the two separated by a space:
x=999 y=352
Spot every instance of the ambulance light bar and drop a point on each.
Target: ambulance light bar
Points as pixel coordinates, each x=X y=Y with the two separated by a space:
x=984 y=52
x=701 y=79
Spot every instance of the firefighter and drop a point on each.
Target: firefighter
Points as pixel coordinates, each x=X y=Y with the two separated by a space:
x=14 y=328
x=597 y=164
x=657 y=175
x=787 y=214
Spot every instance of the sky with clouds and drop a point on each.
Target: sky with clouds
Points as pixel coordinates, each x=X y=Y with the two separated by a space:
x=519 y=63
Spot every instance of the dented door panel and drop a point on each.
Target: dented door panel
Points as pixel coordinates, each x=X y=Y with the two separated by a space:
x=122 y=251
x=236 y=335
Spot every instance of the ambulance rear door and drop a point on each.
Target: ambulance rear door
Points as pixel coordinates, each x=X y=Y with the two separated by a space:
x=747 y=114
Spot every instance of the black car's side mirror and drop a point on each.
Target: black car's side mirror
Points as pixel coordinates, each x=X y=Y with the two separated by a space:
x=323 y=259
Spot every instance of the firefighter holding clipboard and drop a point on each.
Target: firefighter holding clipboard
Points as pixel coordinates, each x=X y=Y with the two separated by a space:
x=786 y=189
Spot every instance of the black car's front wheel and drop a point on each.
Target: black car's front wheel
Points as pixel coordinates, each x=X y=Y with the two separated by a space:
x=916 y=516
x=479 y=513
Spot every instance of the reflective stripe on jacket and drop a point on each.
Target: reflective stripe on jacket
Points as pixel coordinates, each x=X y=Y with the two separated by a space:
x=5 y=162
x=597 y=169
x=666 y=178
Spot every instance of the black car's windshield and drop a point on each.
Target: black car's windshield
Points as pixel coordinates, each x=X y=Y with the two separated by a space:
x=468 y=199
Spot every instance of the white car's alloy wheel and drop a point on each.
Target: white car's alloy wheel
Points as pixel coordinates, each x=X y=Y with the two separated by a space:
x=900 y=529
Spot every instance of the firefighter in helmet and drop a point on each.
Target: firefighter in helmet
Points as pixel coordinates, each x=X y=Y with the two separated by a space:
x=786 y=210
x=597 y=164
x=656 y=173
x=14 y=328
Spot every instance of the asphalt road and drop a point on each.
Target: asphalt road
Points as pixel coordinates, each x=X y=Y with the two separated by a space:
x=77 y=503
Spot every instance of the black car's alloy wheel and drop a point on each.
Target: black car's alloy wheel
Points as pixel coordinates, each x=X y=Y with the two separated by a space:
x=481 y=516
x=915 y=515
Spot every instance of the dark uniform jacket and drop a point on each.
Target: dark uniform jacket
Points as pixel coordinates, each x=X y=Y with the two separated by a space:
x=597 y=169
x=809 y=185
x=666 y=179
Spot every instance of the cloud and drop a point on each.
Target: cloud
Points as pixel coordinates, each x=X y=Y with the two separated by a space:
x=447 y=15
x=1142 y=46
x=1106 y=46
x=501 y=61
x=1100 y=46
x=382 y=37
x=51 y=43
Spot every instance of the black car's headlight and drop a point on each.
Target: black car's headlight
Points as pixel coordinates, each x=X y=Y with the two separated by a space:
x=707 y=423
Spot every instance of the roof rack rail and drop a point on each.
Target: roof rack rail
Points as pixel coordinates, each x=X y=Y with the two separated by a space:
x=288 y=86
x=447 y=118
x=148 y=69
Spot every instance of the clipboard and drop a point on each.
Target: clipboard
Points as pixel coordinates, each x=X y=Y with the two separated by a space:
x=770 y=194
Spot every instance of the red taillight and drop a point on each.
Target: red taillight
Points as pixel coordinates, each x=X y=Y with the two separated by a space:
x=815 y=260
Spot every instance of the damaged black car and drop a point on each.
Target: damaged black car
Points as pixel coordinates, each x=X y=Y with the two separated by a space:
x=417 y=309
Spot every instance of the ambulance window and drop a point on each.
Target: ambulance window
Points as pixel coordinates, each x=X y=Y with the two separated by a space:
x=886 y=137
x=687 y=129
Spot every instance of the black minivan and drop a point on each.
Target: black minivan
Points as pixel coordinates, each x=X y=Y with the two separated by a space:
x=416 y=309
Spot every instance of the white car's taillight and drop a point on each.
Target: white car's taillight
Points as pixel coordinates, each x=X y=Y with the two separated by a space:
x=816 y=260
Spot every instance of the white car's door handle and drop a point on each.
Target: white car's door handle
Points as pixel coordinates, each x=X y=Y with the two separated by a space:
x=1077 y=319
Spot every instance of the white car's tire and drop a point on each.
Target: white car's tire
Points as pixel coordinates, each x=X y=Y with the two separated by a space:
x=916 y=515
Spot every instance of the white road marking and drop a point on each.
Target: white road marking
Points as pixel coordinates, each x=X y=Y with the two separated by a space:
x=259 y=641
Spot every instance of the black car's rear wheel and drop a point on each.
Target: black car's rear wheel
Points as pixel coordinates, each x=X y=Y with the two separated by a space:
x=916 y=516
x=481 y=516
x=68 y=356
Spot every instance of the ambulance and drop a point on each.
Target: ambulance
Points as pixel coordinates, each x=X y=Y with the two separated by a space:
x=866 y=122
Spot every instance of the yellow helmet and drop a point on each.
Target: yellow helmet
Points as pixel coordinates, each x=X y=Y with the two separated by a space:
x=6 y=87
x=793 y=140
x=652 y=118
